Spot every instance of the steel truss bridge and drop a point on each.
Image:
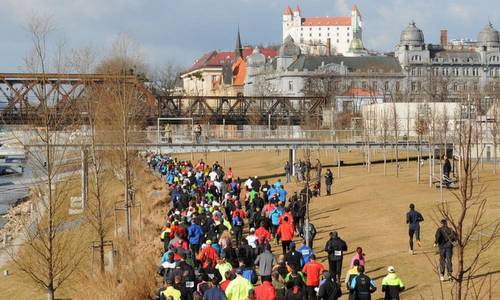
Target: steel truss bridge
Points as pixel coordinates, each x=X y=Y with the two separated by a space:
x=20 y=95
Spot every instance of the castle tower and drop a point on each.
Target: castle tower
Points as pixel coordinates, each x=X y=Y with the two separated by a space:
x=287 y=21
x=356 y=47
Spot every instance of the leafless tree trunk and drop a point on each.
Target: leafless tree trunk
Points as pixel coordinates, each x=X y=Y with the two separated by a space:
x=122 y=110
x=475 y=234
x=50 y=253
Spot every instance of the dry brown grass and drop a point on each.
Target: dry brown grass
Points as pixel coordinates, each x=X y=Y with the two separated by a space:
x=366 y=208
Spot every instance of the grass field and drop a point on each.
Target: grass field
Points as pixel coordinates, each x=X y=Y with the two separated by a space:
x=367 y=209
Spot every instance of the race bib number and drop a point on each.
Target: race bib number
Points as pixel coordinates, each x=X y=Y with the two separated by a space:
x=337 y=253
x=190 y=284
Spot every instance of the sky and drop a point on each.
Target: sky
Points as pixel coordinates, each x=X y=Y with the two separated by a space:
x=179 y=31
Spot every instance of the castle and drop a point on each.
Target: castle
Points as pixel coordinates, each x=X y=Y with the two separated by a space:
x=325 y=35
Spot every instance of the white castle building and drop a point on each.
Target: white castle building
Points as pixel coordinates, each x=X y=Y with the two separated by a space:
x=325 y=35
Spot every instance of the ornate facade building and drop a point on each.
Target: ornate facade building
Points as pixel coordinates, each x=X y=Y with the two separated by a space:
x=441 y=72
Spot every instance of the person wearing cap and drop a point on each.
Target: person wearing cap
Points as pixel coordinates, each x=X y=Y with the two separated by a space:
x=238 y=287
x=223 y=266
x=413 y=219
x=306 y=252
x=363 y=286
x=313 y=271
x=170 y=291
x=294 y=258
x=445 y=237
x=392 y=285
x=207 y=252
x=266 y=260
x=329 y=289
x=335 y=247
x=252 y=238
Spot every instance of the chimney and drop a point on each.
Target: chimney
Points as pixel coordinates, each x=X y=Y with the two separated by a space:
x=329 y=46
x=444 y=38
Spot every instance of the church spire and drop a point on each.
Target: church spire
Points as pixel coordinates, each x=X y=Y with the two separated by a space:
x=238 y=51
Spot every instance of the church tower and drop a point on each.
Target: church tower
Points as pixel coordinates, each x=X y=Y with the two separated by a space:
x=238 y=50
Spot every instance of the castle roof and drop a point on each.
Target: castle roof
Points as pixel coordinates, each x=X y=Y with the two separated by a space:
x=326 y=21
x=385 y=64
x=288 y=10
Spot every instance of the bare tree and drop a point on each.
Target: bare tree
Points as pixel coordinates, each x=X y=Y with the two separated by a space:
x=51 y=253
x=122 y=110
x=475 y=233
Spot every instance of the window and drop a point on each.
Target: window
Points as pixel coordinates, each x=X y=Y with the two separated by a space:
x=363 y=84
x=347 y=40
x=328 y=34
x=301 y=28
x=348 y=34
x=337 y=34
x=337 y=28
x=310 y=35
x=328 y=28
x=319 y=34
x=319 y=28
x=374 y=86
x=397 y=86
x=386 y=85
x=413 y=86
x=337 y=41
x=290 y=85
x=310 y=28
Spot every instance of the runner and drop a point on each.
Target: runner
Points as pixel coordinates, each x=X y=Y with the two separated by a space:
x=413 y=219
x=363 y=286
x=313 y=271
x=445 y=237
x=392 y=285
x=335 y=247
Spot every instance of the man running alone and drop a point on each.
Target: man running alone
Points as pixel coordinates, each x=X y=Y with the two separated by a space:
x=445 y=237
x=413 y=219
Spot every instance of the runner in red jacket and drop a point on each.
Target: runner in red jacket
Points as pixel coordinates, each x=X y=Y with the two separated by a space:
x=313 y=271
x=265 y=291
x=285 y=232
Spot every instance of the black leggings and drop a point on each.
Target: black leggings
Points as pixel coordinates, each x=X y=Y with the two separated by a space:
x=412 y=232
x=286 y=246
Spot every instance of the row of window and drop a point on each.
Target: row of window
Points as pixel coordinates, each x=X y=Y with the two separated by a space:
x=320 y=41
x=319 y=28
x=418 y=58
x=453 y=71
x=319 y=34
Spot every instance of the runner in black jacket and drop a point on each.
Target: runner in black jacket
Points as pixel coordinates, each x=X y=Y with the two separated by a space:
x=330 y=289
x=335 y=248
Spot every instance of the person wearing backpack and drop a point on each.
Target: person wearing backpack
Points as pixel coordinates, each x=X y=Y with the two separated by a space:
x=295 y=285
x=413 y=219
x=445 y=237
x=335 y=248
x=329 y=288
x=363 y=286
x=238 y=227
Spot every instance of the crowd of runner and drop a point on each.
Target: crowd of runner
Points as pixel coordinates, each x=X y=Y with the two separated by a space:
x=220 y=231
